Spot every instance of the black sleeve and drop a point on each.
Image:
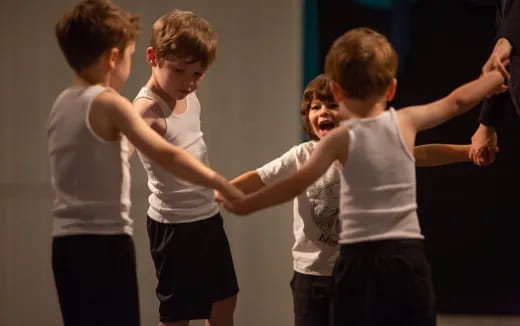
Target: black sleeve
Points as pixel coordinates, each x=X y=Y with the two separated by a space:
x=510 y=25
x=509 y=28
x=493 y=109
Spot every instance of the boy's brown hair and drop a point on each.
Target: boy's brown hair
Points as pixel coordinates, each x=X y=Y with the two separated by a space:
x=362 y=62
x=93 y=27
x=186 y=35
x=318 y=88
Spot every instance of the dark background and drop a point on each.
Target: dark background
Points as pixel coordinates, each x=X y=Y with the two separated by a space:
x=469 y=215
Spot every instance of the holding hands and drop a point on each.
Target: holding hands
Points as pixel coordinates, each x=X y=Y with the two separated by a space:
x=237 y=205
x=484 y=141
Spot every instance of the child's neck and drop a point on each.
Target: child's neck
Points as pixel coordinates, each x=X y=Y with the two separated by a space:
x=154 y=87
x=367 y=108
x=92 y=76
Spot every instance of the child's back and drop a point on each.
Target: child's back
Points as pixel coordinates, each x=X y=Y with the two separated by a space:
x=89 y=174
x=379 y=201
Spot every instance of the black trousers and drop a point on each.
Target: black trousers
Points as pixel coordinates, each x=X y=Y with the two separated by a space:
x=96 y=279
x=194 y=267
x=383 y=283
x=312 y=296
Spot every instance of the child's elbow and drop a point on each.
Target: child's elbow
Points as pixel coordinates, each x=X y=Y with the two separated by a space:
x=462 y=104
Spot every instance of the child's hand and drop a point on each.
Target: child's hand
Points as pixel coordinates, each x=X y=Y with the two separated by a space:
x=498 y=59
x=498 y=65
x=500 y=71
x=483 y=146
x=228 y=192
x=218 y=196
x=238 y=206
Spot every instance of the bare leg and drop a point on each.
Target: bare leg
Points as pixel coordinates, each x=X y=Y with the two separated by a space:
x=222 y=312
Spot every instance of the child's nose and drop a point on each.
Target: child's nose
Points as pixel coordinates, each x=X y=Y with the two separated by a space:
x=324 y=110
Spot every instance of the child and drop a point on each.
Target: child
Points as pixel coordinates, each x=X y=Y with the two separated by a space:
x=316 y=210
x=93 y=255
x=190 y=250
x=381 y=276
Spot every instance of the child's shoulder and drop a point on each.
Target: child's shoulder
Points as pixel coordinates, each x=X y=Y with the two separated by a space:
x=193 y=101
x=110 y=99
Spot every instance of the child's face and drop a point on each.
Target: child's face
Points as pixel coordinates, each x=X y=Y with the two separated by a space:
x=323 y=117
x=177 y=76
x=123 y=67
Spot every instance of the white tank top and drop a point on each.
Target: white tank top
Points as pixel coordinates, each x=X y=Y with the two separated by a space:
x=173 y=200
x=90 y=176
x=378 y=198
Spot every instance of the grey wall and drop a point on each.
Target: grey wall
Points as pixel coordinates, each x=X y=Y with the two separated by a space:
x=250 y=101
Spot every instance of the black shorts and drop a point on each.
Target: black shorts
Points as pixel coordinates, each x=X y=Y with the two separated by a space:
x=312 y=296
x=383 y=283
x=194 y=267
x=95 y=276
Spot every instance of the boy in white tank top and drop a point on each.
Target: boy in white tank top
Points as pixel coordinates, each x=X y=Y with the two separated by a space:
x=316 y=209
x=190 y=250
x=93 y=255
x=381 y=276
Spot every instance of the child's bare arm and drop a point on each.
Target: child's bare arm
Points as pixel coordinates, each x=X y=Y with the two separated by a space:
x=459 y=101
x=331 y=148
x=440 y=154
x=176 y=160
x=248 y=182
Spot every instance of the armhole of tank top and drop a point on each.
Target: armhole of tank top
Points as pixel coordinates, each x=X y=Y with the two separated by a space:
x=397 y=129
x=87 y=120
x=149 y=95
x=351 y=136
x=53 y=108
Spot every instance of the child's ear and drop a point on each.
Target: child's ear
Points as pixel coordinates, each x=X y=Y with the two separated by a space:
x=391 y=89
x=111 y=57
x=337 y=92
x=151 y=57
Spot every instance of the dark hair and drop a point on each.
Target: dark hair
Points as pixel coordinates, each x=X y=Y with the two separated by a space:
x=91 y=28
x=318 y=88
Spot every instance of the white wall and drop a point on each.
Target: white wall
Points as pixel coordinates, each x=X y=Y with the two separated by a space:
x=250 y=114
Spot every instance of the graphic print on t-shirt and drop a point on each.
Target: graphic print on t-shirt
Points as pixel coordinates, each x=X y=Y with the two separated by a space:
x=324 y=199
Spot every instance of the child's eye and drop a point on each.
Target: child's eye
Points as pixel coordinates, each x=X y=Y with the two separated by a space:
x=333 y=106
x=315 y=107
x=177 y=70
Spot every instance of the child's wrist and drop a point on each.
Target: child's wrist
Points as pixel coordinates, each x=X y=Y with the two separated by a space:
x=487 y=128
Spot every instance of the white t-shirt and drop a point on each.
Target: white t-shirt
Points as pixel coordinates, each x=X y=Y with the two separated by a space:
x=90 y=176
x=173 y=200
x=315 y=212
x=379 y=202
